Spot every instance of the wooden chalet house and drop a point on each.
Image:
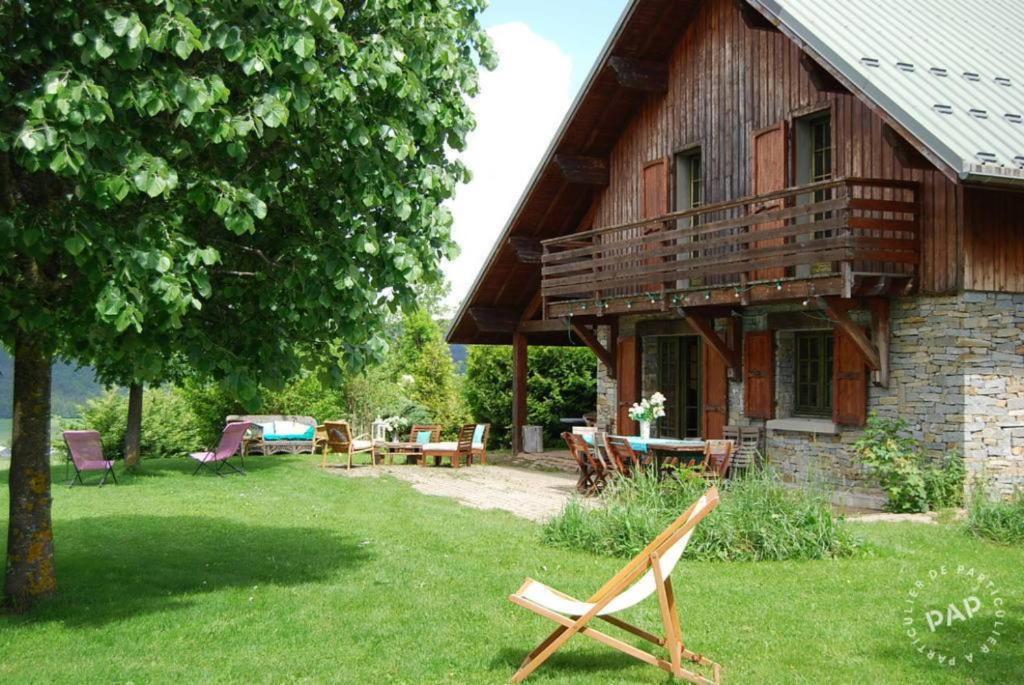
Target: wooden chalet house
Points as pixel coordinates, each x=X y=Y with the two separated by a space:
x=787 y=214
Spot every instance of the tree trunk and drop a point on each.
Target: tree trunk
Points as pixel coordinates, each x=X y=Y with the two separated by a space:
x=30 y=574
x=133 y=434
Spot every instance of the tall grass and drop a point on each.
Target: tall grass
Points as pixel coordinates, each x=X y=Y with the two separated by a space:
x=995 y=520
x=759 y=519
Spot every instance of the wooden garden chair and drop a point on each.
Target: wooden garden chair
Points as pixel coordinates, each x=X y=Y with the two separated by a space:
x=337 y=439
x=647 y=574
x=622 y=455
x=580 y=453
x=457 y=452
x=718 y=458
x=481 y=433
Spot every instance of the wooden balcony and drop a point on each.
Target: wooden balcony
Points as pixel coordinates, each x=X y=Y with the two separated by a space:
x=846 y=237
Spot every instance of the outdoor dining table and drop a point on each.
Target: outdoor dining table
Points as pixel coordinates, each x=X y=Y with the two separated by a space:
x=689 y=451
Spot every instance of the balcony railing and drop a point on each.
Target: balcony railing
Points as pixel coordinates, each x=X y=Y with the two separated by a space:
x=817 y=239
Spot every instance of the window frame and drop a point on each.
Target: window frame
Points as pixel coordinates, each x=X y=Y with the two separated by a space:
x=823 y=357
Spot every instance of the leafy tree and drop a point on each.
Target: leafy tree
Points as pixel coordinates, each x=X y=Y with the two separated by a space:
x=561 y=382
x=244 y=184
x=422 y=366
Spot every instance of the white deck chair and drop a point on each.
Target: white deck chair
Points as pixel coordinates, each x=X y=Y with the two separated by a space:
x=648 y=573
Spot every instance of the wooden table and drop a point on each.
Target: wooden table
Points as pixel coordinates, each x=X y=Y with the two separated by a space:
x=689 y=451
x=390 y=450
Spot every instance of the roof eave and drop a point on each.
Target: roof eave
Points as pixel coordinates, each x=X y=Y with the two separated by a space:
x=546 y=159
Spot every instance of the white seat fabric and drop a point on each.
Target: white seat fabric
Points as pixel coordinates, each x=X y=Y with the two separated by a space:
x=644 y=587
x=362 y=444
x=447 y=446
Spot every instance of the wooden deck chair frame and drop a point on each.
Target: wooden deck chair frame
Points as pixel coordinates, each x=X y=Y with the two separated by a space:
x=621 y=454
x=333 y=430
x=481 y=451
x=585 y=482
x=672 y=641
x=463 y=449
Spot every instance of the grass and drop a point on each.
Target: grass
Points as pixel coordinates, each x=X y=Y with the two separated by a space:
x=295 y=575
x=996 y=520
x=760 y=519
x=5 y=432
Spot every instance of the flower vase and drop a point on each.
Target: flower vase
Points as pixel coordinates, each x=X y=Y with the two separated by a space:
x=645 y=430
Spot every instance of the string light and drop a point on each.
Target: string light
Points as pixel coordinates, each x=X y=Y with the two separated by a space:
x=778 y=285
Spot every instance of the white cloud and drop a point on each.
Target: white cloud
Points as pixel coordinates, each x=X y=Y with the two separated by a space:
x=518 y=110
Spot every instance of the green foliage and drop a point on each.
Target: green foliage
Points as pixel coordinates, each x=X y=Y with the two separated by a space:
x=561 y=382
x=759 y=519
x=910 y=481
x=997 y=520
x=224 y=186
x=169 y=426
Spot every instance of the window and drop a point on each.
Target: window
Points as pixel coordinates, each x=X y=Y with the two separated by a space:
x=689 y=180
x=813 y=373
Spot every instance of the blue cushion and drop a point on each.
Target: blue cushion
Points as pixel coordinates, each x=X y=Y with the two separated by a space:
x=478 y=434
x=292 y=434
x=423 y=437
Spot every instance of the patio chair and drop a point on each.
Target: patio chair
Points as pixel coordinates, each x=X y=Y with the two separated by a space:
x=230 y=445
x=647 y=574
x=481 y=432
x=621 y=454
x=591 y=462
x=585 y=481
x=338 y=440
x=456 y=452
x=85 y=453
x=718 y=457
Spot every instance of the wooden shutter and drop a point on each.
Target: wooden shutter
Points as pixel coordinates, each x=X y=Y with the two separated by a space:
x=849 y=383
x=759 y=377
x=715 y=395
x=627 y=383
x=769 y=176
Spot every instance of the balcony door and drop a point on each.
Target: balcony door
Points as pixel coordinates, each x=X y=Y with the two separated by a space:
x=769 y=176
x=655 y=204
x=679 y=379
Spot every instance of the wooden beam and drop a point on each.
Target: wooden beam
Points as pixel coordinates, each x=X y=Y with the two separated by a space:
x=906 y=154
x=705 y=328
x=528 y=250
x=837 y=312
x=494 y=319
x=881 y=333
x=519 y=380
x=545 y=326
x=754 y=19
x=582 y=170
x=823 y=81
x=534 y=308
x=588 y=336
x=638 y=74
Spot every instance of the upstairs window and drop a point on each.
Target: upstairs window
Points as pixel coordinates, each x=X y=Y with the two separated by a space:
x=689 y=180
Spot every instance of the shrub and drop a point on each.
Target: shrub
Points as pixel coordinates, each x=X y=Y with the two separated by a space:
x=169 y=427
x=995 y=520
x=759 y=519
x=561 y=382
x=911 y=481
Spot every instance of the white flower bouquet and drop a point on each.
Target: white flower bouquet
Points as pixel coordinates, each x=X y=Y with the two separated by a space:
x=649 y=410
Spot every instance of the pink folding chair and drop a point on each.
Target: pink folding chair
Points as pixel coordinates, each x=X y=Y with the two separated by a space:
x=230 y=445
x=86 y=454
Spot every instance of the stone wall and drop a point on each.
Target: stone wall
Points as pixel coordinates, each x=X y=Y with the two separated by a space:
x=606 y=402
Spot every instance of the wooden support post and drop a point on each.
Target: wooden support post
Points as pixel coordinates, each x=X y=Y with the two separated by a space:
x=906 y=154
x=582 y=170
x=519 y=378
x=881 y=333
x=642 y=75
x=588 y=336
x=528 y=250
x=823 y=81
x=838 y=313
x=705 y=327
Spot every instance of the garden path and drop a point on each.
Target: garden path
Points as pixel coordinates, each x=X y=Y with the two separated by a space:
x=534 y=495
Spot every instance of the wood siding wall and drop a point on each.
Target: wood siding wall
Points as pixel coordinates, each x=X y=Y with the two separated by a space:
x=726 y=82
x=993 y=240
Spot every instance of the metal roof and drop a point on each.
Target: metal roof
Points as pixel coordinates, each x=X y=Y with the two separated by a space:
x=950 y=72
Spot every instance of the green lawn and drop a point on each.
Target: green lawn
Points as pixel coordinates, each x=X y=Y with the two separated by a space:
x=292 y=574
x=5 y=432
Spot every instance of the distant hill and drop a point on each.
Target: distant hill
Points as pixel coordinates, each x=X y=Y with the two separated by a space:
x=459 y=354
x=71 y=387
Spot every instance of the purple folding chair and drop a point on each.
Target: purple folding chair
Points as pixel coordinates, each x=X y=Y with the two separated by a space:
x=86 y=454
x=230 y=444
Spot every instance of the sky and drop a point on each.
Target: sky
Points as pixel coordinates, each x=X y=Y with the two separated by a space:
x=545 y=48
